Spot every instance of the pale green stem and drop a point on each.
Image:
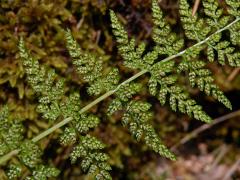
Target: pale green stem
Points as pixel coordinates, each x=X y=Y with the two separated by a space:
x=109 y=93
x=8 y=156
x=67 y=120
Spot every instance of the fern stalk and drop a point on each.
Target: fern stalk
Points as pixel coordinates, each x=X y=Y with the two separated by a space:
x=86 y=108
x=65 y=121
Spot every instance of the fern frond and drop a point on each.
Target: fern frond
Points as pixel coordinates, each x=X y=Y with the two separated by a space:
x=4 y=113
x=40 y=172
x=234 y=10
x=86 y=147
x=166 y=41
x=162 y=69
x=53 y=105
x=71 y=105
x=88 y=150
x=215 y=14
x=179 y=99
x=93 y=161
x=234 y=6
x=82 y=123
x=86 y=123
x=69 y=136
x=11 y=132
x=127 y=91
x=43 y=172
x=234 y=35
x=30 y=154
x=202 y=78
x=224 y=51
x=163 y=83
x=133 y=55
x=11 y=138
x=160 y=83
x=115 y=105
x=104 y=84
x=130 y=52
x=90 y=68
x=137 y=117
x=216 y=20
x=44 y=83
x=86 y=63
x=194 y=27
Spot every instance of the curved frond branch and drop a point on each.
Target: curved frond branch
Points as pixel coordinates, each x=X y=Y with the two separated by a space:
x=65 y=121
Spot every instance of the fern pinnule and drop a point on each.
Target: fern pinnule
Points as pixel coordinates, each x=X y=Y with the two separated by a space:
x=85 y=62
x=11 y=132
x=90 y=68
x=14 y=171
x=224 y=51
x=180 y=99
x=130 y=53
x=93 y=160
x=53 y=105
x=137 y=117
x=43 y=172
x=235 y=36
x=199 y=29
x=202 y=78
x=29 y=153
x=215 y=18
x=86 y=147
x=194 y=27
x=166 y=41
x=44 y=82
x=233 y=8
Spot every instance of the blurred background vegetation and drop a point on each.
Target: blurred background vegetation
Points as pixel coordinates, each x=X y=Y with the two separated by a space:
x=212 y=154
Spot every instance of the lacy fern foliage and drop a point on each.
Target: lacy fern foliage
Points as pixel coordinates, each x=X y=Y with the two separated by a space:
x=12 y=138
x=11 y=132
x=108 y=82
x=54 y=106
x=214 y=34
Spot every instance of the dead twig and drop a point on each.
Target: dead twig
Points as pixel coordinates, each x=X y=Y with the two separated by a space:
x=195 y=7
x=233 y=74
x=80 y=23
x=204 y=127
x=223 y=151
x=232 y=170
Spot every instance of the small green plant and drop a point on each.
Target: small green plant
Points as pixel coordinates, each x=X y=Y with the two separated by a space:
x=29 y=154
x=63 y=108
